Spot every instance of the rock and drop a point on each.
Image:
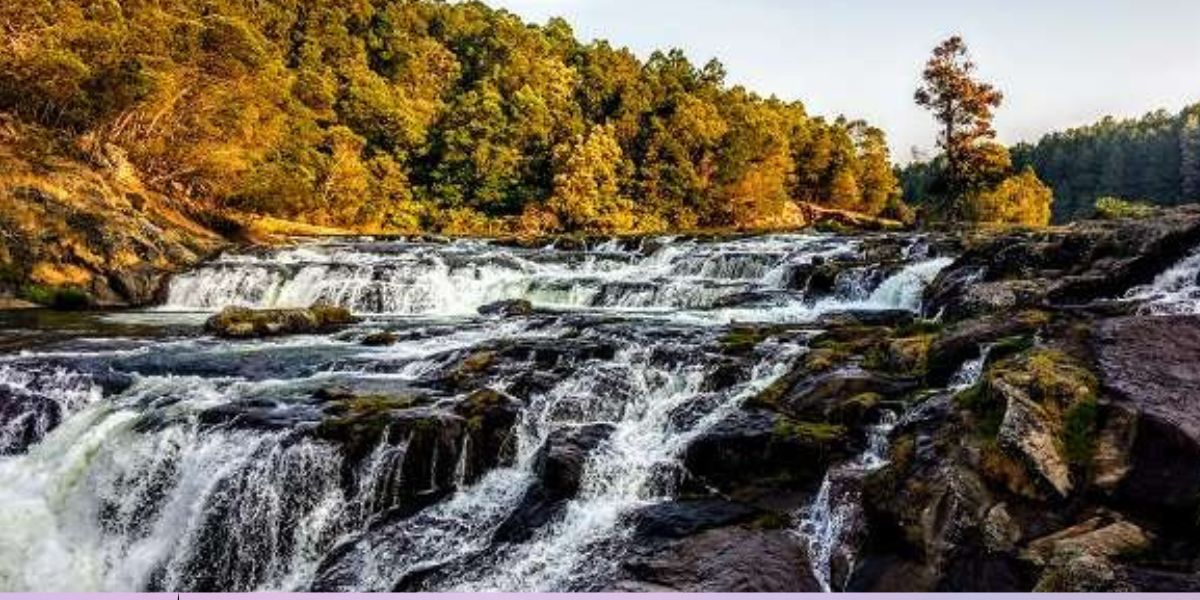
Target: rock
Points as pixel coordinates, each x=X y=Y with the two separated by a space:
x=866 y=318
x=754 y=446
x=848 y=397
x=729 y=560
x=1083 y=574
x=1105 y=537
x=507 y=308
x=380 y=339
x=25 y=417
x=1151 y=368
x=558 y=468
x=491 y=419
x=1071 y=265
x=1153 y=580
x=239 y=322
x=1028 y=432
x=559 y=463
x=682 y=518
x=967 y=339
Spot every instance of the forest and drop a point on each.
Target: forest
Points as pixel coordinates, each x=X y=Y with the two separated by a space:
x=1151 y=160
x=409 y=115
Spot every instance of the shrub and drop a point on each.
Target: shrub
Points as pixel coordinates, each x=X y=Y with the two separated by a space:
x=1110 y=208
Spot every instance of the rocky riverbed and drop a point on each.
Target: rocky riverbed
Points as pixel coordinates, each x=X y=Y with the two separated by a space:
x=1002 y=412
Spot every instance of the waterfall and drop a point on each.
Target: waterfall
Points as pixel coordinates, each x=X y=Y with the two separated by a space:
x=178 y=461
x=1175 y=291
x=455 y=279
x=829 y=524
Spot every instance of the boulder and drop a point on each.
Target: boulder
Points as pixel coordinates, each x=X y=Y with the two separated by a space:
x=380 y=339
x=239 y=322
x=753 y=446
x=966 y=340
x=1150 y=366
x=682 y=518
x=507 y=308
x=558 y=469
x=730 y=560
x=1028 y=432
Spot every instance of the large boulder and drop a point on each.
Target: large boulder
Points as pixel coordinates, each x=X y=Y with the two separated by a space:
x=753 y=447
x=1150 y=366
x=239 y=322
x=730 y=560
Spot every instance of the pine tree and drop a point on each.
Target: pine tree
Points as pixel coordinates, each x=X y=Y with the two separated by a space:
x=963 y=107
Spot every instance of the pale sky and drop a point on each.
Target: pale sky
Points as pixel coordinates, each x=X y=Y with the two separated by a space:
x=1060 y=63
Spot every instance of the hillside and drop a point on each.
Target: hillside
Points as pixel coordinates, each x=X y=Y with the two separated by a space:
x=425 y=116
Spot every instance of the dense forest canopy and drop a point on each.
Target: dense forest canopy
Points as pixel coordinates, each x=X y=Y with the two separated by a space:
x=1154 y=159
x=421 y=114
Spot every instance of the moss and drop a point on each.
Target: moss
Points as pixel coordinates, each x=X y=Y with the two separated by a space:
x=58 y=298
x=919 y=327
x=743 y=340
x=1079 y=430
x=328 y=314
x=902 y=451
x=772 y=521
x=986 y=412
x=811 y=433
x=998 y=467
x=358 y=407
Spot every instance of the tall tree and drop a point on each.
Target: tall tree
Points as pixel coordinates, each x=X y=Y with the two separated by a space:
x=963 y=107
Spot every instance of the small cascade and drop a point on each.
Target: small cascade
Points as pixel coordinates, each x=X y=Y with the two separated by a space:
x=33 y=401
x=1175 y=292
x=969 y=374
x=832 y=524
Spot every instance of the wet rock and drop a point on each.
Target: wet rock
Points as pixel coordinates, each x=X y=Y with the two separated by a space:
x=1151 y=367
x=731 y=560
x=681 y=518
x=491 y=419
x=25 y=417
x=380 y=339
x=849 y=397
x=756 y=446
x=240 y=322
x=507 y=308
x=866 y=318
x=558 y=468
x=966 y=340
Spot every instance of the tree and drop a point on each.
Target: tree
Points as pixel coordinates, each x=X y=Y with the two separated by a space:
x=1021 y=199
x=963 y=107
x=1189 y=149
x=587 y=193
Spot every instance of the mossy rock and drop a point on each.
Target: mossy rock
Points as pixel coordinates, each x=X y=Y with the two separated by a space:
x=57 y=297
x=810 y=433
x=240 y=322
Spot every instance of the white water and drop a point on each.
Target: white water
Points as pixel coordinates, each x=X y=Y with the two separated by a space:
x=1174 y=292
x=105 y=502
x=827 y=525
x=454 y=280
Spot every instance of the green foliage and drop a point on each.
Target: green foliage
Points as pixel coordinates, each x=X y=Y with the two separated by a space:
x=1020 y=199
x=425 y=114
x=58 y=298
x=1079 y=431
x=1155 y=158
x=1116 y=208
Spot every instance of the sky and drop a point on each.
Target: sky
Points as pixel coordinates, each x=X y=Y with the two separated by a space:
x=1060 y=63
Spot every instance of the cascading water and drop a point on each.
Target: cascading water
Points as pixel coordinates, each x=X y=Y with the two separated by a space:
x=177 y=461
x=1176 y=291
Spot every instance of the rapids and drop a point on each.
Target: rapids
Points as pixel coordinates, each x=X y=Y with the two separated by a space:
x=137 y=453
